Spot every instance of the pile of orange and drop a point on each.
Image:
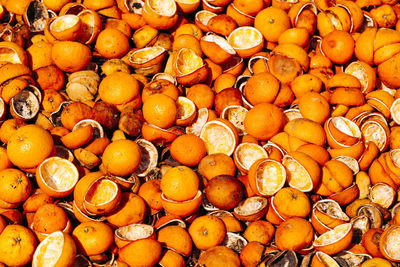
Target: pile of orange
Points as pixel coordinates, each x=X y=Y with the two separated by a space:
x=199 y=133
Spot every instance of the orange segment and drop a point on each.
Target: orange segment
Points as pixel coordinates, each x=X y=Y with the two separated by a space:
x=219 y=136
x=57 y=177
x=266 y=177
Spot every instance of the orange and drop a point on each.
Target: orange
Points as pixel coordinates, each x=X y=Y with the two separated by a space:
x=160 y=110
x=92 y=238
x=262 y=87
x=56 y=249
x=291 y=202
x=338 y=46
x=272 y=22
x=180 y=183
x=201 y=95
x=219 y=256
x=70 y=56
x=251 y=253
x=29 y=146
x=176 y=238
x=132 y=209
x=170 y=258
x=188 y=149
x=306 y=130
x=294 y=234
x=49 y=77
x=144 y=252
x=112 y=43
x=314 y=106
x=216 y=164
x=187 y=41
x=318 y=153
x=306 y=83
x=207 y=231
x=15 y=186
x=119 y=88
x=37 y=199
x=160 y=86
x=17 y=245
x=222 y=24
x=264 y=121
x=224 y=191
x=50 y=218
x=73 y=113
x=259 y=231
x=249 y=7
x=150 y=191
x=122 y=157
x=78 y=138
x=227 y=97
x=55 y=5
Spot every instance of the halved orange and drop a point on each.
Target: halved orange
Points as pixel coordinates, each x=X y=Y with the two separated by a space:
x=189 y=67
x=66 y=27
x=235 y=114
x=78 y=137
x=57 y=177
x=322 y=259
x=182 y=208
x=377 y=131
x=203 y=116
x=335 y=240
x=57 y=249
x=303 y=172
x=132 y=232
x=186 y=111
x=327 y=214
x=12 y=53
x=102 y=196
x=246 y=41
x=364 y=73
x=147 y=57
x=246 y=154
x=201 y=19
x=341 y=132
x=160 y=14
x=266 y=177
x=187 y=6
x=382 y=194
x=216 y=48
x=251 y=209
x=395 y=111
x=219 y=136
x=90 y=27
x=149 y=157
x=389 y=243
